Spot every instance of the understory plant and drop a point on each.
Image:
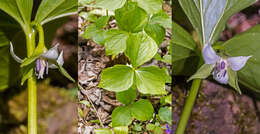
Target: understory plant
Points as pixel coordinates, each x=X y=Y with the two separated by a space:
x=233 y=62
x=22 y=31
x=140 y=30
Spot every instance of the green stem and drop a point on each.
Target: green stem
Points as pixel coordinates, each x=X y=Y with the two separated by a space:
x=32 y=89
x=189 y=104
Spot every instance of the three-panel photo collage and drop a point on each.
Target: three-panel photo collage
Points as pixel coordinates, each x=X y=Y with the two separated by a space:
x=129 y=66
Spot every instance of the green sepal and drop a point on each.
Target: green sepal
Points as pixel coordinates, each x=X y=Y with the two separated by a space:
x=204 y=71
x=233 y=80
x=64 y=72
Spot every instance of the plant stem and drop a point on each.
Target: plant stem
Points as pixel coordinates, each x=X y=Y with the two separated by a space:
x=189 y=104
x=32 y=88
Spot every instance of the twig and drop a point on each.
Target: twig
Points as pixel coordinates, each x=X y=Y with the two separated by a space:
x=84 y=92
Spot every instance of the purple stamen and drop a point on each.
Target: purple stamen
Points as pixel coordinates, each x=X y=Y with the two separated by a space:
x=47 y=68
x=222 y=64
x=38 y=65
x=224 y=74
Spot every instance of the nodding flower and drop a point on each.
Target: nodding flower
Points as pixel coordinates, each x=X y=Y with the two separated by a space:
x=220 y=72
x=45 y=61
x=168 y=129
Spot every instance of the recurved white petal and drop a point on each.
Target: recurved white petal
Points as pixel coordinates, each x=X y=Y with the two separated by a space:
x=52 y=53
x=16 y=58
x=237 y=63
x=209 y=55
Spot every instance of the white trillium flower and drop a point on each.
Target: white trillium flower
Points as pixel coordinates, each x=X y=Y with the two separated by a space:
x=220 y=72
x=45 y=61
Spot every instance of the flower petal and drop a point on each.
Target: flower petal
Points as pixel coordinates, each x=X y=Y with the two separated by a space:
x=16 y=58
x=237 y=63
x=52 y=66
x=52 y=53
x=221 y=77
x=60 y=59
x=209 y=55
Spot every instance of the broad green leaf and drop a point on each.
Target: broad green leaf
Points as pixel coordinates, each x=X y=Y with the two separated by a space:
x=102 y=21
x=182 y=38
x=85 y=2
x=156 y=31
x=150 y=6
x=233 y=80
x=98 y=35
x=110 y=4
x=209 y=17
x=117 y=78
x=150 y=80
x=10 y=7
x=121 y=130
x=50 y=10
x=140 y=48
x=142 y=110
x=121 y=116
x=25 y=8
x=115 y=42
x=126 y=97
x=204 y=71
x=3 y=39
x=247 y=44
x=131 y=18
x=165 y=114
x=162 y=19
x=103 y=131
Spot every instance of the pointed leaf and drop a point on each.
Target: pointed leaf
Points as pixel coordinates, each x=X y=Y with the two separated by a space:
x=121 y=116
x=233 y=80
x=162 y=19
x=50 y=10
x=117 y=78
x=140 y=48
x=209 y=17
x=131 y=18
x=115 y=42
x=204 y=71
x=64 y=72
x=150 y=80
x=142 y=110
x=25 y=8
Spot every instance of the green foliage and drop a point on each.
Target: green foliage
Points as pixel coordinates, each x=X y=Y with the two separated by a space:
x=110 y=5
x=150 y=6
x=131 y=18
x=126 y=97
x=121 y=116
x=165 y=114
x=142 y=110
x=154 y=128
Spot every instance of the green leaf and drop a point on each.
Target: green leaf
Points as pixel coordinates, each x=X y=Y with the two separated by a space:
x=162 y=19
x=110 y=4
x=121 y=116
x=126 y=97
x=3 y=39
x=204 y=71
x=117 y=78
x=247 y=44
x=156 y=31
x=150 y=80
x=50 y=10
x=142 y=110
x=103 y=131
x=10 y=7
x=165 y=114
x=232 y=80
x=131 y=18
x=102 y=21
x=115 y=42
x=150 y=6
x=121 y=130
x=98 y=35
x=85 y=102
x=209 y=17
x=140 y=48
x=183 y=38
x=85 y=2
x=25 y=8
x=64 y=72
x=155 y=129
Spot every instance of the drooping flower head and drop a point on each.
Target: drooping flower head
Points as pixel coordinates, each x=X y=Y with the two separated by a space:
x=220 y=72
x=45 y=61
